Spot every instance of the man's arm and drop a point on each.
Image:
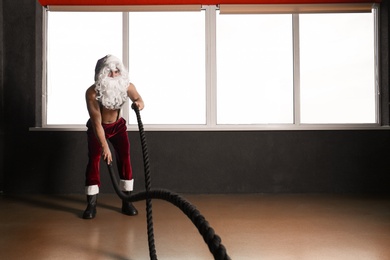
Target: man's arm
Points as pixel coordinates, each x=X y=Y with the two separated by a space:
x=135 y=97
x=96 y=120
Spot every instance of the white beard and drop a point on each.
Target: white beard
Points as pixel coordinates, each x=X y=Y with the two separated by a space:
x=112 y=92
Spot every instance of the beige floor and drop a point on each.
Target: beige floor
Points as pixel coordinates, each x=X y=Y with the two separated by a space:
x=251 y=227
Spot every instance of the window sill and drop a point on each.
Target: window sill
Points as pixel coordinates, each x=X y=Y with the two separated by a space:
x=302 y=127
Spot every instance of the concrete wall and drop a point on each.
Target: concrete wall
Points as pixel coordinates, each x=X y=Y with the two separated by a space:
x=195 y=162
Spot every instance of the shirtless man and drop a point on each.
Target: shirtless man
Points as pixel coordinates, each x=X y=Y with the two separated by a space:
x=104 y=100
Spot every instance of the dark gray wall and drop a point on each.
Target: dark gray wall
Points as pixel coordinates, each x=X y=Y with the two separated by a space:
x=384 y=57
x=1 y=101
x=196 y=162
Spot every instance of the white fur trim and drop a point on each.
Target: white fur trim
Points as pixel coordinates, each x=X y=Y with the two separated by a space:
x=92 y=190
x=126 y=185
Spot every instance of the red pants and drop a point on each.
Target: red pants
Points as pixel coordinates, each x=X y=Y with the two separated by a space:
x=116 y=133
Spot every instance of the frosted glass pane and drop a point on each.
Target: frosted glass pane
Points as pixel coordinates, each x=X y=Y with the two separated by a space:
x=254 y=69
x=337 y=68
x=167 y=65
x=76 y=40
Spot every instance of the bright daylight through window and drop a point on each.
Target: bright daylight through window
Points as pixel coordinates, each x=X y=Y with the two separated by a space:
x=337 y=68
x=254 y=69
x=74 y=45
x=167 y=64
x=206 y=70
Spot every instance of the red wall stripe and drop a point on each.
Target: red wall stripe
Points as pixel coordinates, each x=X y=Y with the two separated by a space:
x=190 y=2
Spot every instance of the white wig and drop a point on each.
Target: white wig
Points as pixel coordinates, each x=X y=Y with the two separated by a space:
x=111 y=92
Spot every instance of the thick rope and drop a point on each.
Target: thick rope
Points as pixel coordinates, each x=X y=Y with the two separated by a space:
x=148 y=184
x=209 y=236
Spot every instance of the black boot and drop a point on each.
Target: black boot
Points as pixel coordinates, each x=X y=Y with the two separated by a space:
x=90 y=211
x=127 y=207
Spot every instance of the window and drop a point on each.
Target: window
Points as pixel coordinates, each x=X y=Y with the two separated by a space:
x=212 y=71
x=167 y=64
x=73 y=47
x=337 y=68
x=254 y=69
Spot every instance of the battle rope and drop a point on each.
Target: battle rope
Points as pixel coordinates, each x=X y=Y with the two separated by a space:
x=209 y=236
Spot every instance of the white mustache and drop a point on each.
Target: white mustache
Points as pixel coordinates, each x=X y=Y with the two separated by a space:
x=112 y=92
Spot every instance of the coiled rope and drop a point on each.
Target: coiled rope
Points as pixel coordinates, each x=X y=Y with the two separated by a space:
x=209 y=236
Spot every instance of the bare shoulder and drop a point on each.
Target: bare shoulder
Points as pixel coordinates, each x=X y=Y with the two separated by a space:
x=131 y=86
x=90 y=93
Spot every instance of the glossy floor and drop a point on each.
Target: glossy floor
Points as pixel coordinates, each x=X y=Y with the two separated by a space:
x=255 y=226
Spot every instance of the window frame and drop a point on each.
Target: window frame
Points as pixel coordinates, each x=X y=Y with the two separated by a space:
x=211 y=79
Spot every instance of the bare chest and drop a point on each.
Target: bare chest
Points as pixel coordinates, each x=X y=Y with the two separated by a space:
x=109 y=116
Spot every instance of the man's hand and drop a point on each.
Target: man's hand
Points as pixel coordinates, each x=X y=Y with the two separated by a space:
x=106 y=153
x=139 y=104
